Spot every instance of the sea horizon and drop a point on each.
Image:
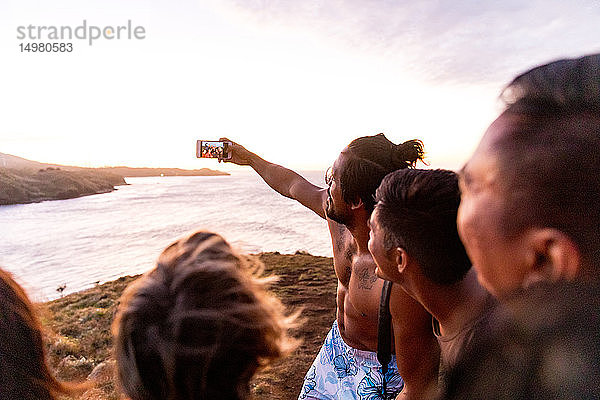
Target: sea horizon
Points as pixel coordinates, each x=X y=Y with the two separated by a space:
x=80 y=242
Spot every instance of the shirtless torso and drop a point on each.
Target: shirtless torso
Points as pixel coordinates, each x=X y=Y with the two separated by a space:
x=359 y=288
x=358 y=291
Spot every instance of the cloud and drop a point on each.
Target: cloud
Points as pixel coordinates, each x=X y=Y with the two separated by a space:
x=460 y=41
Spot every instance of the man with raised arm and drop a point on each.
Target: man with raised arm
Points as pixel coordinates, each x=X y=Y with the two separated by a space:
x=346 y=366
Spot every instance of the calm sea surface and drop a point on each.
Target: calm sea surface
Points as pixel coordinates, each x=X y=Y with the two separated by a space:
x=79 y=242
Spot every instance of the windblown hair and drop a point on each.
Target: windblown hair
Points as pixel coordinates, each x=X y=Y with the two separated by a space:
x=416 y=209
x=24 y=372
x=370 y=159
x=550 y=158
x=198 y=326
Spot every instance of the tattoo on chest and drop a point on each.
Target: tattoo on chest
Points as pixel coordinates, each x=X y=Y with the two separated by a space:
x=339 y=242
x=343 y=244
x=366 y=279
x=348 y=254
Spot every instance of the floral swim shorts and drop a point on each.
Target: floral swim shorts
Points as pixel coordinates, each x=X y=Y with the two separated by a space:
x=342 y=372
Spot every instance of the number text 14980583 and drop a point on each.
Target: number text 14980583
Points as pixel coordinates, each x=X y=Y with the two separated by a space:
x=46 y=47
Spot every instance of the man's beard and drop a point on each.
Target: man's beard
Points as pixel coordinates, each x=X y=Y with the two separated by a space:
x=335 y=215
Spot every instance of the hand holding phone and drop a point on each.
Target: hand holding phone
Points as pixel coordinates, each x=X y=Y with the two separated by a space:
x=239 y=154
x=219 y=149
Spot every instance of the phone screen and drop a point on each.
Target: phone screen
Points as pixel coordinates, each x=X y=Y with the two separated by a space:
x=212 y=149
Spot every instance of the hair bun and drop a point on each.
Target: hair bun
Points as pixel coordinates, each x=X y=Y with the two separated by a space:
x=408 y=153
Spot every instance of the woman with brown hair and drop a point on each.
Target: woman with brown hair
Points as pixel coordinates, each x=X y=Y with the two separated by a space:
x=198 y=325
x=24 y=372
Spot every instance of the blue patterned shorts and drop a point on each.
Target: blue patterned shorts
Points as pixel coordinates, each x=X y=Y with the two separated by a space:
x=341 y=372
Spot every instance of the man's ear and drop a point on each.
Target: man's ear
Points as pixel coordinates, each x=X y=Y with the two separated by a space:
x=554 y=257
x=401 y=258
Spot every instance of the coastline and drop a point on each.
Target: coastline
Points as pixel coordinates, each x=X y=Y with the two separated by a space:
x=79 y=338
x=129 y=172
x=24 y=181
x=27 y=186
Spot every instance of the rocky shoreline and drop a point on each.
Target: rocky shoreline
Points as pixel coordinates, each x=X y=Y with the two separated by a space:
x=24 y=181
x=53 y=183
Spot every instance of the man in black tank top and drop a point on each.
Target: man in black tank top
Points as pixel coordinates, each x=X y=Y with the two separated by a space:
x=415 y=243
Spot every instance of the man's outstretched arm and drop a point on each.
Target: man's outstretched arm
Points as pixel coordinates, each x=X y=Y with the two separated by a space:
x=283 y=180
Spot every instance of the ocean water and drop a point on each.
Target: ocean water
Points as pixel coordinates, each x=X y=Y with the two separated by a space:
x=80 y=242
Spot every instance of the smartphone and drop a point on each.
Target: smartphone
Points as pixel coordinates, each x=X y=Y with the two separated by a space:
x=213 y=149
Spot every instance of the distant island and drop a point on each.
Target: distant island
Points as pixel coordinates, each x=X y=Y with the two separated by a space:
x=26 y=181
x=135 y=172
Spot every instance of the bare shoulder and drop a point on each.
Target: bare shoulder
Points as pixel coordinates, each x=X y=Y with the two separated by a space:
x=405 y=309
x=417 y=350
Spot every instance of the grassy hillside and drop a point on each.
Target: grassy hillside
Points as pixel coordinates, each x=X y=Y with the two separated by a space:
x=27 y=181
x=80 y=339
x=27 y=186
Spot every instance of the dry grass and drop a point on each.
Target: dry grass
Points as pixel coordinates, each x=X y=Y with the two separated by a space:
x=80 y=339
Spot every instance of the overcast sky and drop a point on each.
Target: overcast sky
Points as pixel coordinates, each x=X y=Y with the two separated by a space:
x=294 y=81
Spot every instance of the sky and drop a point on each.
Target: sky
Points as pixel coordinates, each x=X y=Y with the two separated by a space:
x=293 y=81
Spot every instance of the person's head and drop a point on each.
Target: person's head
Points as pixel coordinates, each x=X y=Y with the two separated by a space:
x=542 y=343
x=198 y=325
x=414 y=227
x=24 y=372
x=359 y=169
x=531 y=190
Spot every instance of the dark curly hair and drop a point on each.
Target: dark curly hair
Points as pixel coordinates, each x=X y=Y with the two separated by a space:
x=369 y=159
